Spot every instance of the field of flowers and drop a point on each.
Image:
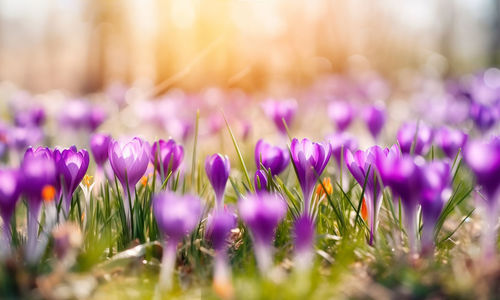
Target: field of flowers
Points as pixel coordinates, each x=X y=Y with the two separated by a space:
x=353 y=187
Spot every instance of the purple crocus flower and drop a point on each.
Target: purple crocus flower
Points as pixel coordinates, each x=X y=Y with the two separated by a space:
x=76 y=114
x=374 y=117
x=361 y=164
x=484 y=116
x=341 y=113
x=436 y=191
x=273 y=158
x=129 y=162
x=304 y=232
x=97 y=116
x=406 y=138
x=261 y=213
x=168 y=159
x=71 y=166
x=217 y=167
x=10 y=189
x=260 y=180
x=450 y=140
x=99 y=146
x=20 y=138
x=279 y=111
x=176 y=217
x=402 y=173
x=30 y=117
x=310 y=159
x=483 y=158
x=38 y=172
x=219 y=224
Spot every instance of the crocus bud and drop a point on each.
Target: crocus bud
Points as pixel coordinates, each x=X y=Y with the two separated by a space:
x=96 y=118
x=129 y=162
x=406 y=138
x=261 y=213
x=304 y=231
x=168 y=159
x=361 y=164
x=310 y=160
x=217 y=167
x=260 y=180
x=10 y=189
x=273 y=158
x=374 y=117
x=71 y=166
x=99 y=146
x=341 y=113
x=450 y=140
x=278 y=111
x=176 y=217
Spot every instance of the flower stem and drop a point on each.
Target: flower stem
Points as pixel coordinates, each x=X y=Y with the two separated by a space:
x=33 y=216
x=264 y=258
x=167 y=266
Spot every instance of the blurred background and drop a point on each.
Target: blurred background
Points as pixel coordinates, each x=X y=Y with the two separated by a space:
x=85 y=46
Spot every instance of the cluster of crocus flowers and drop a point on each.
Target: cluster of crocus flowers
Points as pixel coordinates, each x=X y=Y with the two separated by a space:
x=169 y=157
x=129 y=161
x=280 y=112
x=417 y=183
x=262 y=212
x=483 y=158
x=217 y=167
x=176 y=216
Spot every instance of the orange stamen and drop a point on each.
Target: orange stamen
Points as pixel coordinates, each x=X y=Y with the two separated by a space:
x=144 y=180
x=364 y=210
x=328 y=186
x=48 y=193
x=87 y=180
